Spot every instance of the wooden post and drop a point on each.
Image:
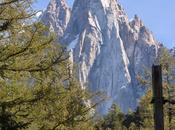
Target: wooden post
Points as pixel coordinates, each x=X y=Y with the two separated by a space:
x=158 y=99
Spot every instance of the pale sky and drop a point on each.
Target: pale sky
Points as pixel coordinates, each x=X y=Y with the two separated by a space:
x=157 y=15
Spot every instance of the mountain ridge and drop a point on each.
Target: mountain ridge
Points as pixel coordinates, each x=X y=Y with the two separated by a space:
x=109 y=50
x=58 y=12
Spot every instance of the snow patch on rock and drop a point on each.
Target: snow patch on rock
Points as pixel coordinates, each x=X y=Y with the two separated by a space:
x=73 y=44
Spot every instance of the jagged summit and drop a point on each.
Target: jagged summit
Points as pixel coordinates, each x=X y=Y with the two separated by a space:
x=136 y=23
x=57 y=16
x=99 y=51
x=108 y=49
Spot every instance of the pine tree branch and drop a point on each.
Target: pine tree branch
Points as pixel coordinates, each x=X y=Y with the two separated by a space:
x=22 y=50
x=9 y=2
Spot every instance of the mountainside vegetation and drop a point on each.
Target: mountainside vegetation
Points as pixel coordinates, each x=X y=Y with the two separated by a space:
x=143 y=117
x=37 y=88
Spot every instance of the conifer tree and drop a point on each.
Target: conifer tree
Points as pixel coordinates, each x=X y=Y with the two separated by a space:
x=166 y=60
x=37 y=88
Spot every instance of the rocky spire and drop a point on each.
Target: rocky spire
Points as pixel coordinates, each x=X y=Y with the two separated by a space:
x=141 y=48
x=57 y=16
x=108 y=49
x=93 y=35
x=136 y=23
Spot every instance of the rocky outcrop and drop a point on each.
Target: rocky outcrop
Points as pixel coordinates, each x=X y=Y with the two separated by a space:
x=140 y=46
x=108 y=49
x=56 y=16
x=172 y=51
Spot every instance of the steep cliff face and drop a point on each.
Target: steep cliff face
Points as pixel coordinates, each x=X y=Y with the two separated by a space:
x=109 y=50
x=140 y=46
x=57 y=16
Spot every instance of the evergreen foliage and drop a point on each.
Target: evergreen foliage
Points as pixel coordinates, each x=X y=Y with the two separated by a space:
x=142 y=118
x=38 y=91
